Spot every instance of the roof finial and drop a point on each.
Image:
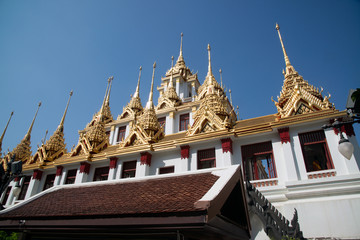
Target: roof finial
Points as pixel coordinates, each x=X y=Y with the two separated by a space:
x=3 y=134
x=105 y=97
x=150 y=104
x=136 y=94
x=230 y=97
x=181 y=43
x=108 y=93
x=171 y=84
x=61 y=125
x=220 y=71
x=28 y=134
x=287 y=61
x=209 y=67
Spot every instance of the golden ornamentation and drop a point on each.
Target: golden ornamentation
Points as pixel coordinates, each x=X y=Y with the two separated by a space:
x=169 y=98
x=3 y=134
x=134 y=107
x=55 y=147
x=147 y=128
x=297 y=95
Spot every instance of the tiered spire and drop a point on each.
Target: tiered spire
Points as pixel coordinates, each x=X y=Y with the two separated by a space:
x=134 y=107
x=55 y=146
x=170 y=97
x=297 y=95
x=3 y=134
x=23 y=150
x=180 y=63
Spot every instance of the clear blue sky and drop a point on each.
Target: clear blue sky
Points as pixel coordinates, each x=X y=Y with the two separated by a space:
x=48 y=48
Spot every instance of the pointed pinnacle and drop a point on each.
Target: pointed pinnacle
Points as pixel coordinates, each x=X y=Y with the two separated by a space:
x=287 y=61
x=150 y=103
x=61 y=125
x=28 y=134
x=136 y=94
x=3 y=134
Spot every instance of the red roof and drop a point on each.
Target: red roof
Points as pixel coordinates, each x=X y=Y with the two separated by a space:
x=174 y=195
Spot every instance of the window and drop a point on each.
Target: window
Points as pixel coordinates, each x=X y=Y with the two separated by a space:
x=206 y=158
x=315 y=151
x=184 y=122
x=165 y=170
x=121 y=134
x=24 y=187
x=6 y=196
x=49 y=181
x=162 y=122
x=258 y=161
x=101 y=174
x=129 y=169
x=70 y=177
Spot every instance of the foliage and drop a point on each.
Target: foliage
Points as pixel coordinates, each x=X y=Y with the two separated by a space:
x=8 y=236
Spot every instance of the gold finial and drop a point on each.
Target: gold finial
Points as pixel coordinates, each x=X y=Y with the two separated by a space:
x=287 y=61
x=43 y=140
x=181 y=44
x=105 y=97
x=220 y=71
x=3 y=134
x=136 y=94
x=171 y=84
x=209 y=67
x=108 y=94
x=61 y=126
x=230 y=97
x=28 y=134
x=150 y=104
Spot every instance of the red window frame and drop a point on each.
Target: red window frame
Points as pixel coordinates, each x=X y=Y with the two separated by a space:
x=162 y=122
x=24 y=187
x=129 y=169
x=71 y=176
x=313 y=159
x=121 y=133
x=206 y=158
x=184 y=122
x=101 y=174
x=251 y=154
x=166 y=170
x=49 y=181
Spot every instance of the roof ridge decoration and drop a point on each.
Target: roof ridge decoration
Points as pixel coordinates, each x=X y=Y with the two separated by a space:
x=147 y=129
x=3 y=134
x=94 y=139
x=23 y=150
x=55 y=147
x=215 y=111
x=105 y=107
x=297 y=95
x=169 y=98
x=134 y=107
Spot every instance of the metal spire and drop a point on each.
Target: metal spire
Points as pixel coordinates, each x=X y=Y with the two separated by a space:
x=171 y=84
x=181 y=44
x=105 y=97
x=108 y=93
x=136 y=94
x=28 y=134
x=220 y=71
x=209 y=74
x=150 y=104
x=287 y=61
x=61 y=125
x=3 y=134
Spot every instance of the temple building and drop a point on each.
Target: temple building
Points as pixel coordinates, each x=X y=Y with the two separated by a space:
x=188 y=168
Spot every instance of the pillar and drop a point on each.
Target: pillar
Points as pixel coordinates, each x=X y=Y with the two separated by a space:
x=83 y=173
x=112 y=168
x=59 y=171
x=34 y=183
x=227 y=151
x=170 y=122
x=142 y=168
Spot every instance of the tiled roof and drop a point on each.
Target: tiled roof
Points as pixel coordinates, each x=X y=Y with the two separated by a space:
x=167 y=195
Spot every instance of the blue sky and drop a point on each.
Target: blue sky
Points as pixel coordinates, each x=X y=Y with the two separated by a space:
x=48 y=48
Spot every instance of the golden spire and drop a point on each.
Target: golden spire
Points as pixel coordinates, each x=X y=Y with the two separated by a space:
x=28 y=134
x=171 y=84
x=108 y=93
x=209 y=74
x=3 y=134
x=136 y=94
x=221 y=84
x=150 y=104
x=287 y=61
x=61 y=125
x=181 y=58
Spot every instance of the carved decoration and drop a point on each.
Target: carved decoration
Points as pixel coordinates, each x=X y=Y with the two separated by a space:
x=113 y=162
x=284 y=135
x=185 y=151
x=85 y=167
x=37 y=174
x=59 y=170
x=145 y=158
x=226 y=145
x=347 y=129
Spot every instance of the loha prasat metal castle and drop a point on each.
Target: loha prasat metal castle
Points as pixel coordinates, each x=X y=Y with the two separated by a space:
x=188 y=168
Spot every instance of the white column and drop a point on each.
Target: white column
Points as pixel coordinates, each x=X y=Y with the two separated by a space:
x=142 y=170
x=112 y=168
x=170 y=122
x=184 y=162
x=300 y=158
x=34 y=184
x=178 y=86
x=289 y=162
x=83 y=173
x=111 y=137
x=116 y=135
